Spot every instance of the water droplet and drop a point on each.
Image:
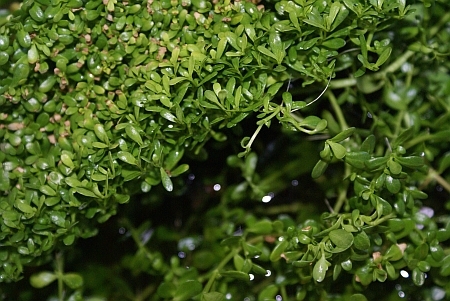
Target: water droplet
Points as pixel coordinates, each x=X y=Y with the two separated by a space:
x=122 y=230
x=191 y=177
x=401 y=294
x=427 y=211
x=278 y=298
x=369 y=115
x=269 y=272
x=437 y=293
x=246 y=299
x=146 y=235
x=294 y=183
x=266 y=199
x=251 y=276
x=228 y=296
x=439 y=188
x=217 y=187
x=404 y=274
x=398 y=287
x=181 y=254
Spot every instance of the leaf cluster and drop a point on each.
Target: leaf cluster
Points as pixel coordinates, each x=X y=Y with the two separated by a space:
x=104 y=100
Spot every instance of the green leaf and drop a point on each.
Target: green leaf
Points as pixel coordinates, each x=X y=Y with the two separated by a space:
x=133 y=133
x=362 y=241
x=261 y=227
x=411 y=162
x=85 y=192
x=47 y=190
x=268 y=293
x=319 y=169
x=445 y=267
x=393 y=185
x=179 y=170
x=267 y=52
x=338 y=150
x=165 y=179
x=58 y=218
x=343 y=135
x=342 y=239
x=236 y=275
x=73 y=280
x=394 y=253
x=127 y=157
x=320 y=269
x=404 y=136
x=42 y=279
x=334 y=43
x=213 y=296
x=278 y=250
x=384 y=56
x=358 y=297
x=418 y=277
x=166 y=290
x=101 y=133
x=66 y=160
x=187 y=290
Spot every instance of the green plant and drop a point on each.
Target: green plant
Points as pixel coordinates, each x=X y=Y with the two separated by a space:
x=108 y=102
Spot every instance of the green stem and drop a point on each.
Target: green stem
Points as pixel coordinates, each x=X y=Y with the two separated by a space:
x=216 y=271
x=432 y=173
x=397 y=64
x=342 y=192
x=435 y=29
x=343 y=83
x=148 y=291
x=382 y=220
x=394 y=66
x=59 y=271
x=337 y=110
x=426 y=136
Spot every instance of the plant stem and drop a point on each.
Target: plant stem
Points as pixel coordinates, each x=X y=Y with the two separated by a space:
x=337 y=110
x=59 y=271
x=342 y=191
x=394 y=66
x=427 y=136
x=382 y=220
x=433 y=174
x=148 y=291
x=215 y=273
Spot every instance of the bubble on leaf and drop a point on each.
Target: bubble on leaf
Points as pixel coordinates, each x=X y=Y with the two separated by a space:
x=278 y=298
x=401 y=294
x=269 y=272
x=251 y=276
x=217 y=187
x=404 y=274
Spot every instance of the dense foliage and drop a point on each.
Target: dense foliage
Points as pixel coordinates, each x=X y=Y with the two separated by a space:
x=134 y=109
